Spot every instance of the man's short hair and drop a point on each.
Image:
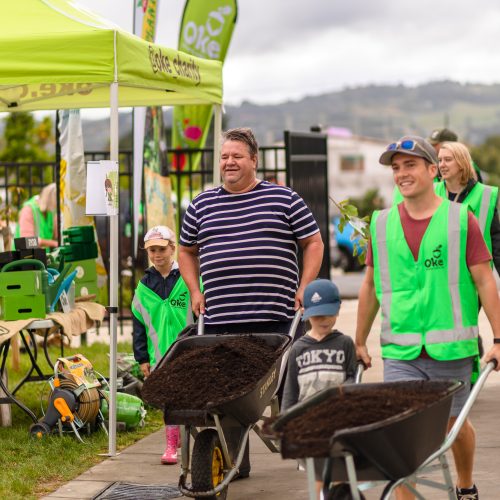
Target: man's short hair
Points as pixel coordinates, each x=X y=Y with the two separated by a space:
x=242 y=134
x=442 y=135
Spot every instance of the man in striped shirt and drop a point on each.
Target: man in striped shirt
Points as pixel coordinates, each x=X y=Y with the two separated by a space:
x=242 y=238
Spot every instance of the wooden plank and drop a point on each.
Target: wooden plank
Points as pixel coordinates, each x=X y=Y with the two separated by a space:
x=5 y=409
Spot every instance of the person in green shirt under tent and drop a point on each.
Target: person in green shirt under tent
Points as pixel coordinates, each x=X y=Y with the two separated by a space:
x=161 y=309
x=38 y=217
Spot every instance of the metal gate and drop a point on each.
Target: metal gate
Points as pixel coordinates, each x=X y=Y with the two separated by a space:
x=307 y=168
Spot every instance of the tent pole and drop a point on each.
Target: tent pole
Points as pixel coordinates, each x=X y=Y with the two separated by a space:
x=113 y=278
x=217 y=139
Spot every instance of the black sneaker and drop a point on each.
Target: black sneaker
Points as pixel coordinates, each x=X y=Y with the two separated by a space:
x=467 y=493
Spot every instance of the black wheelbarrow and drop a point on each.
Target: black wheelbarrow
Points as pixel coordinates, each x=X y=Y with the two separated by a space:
x=389 y=452
x=210 y=463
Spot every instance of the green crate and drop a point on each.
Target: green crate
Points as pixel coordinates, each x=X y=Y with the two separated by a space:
x=22 y=307
x=86 y=270
x=79 y=234
x=79 y=251
x=86 y=288
x=15 y=283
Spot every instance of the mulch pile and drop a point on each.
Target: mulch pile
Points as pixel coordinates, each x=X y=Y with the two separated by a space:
x=208 y=376
x=308 y=434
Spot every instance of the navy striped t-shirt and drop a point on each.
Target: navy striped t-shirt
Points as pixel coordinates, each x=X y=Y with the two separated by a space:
x=248 y=251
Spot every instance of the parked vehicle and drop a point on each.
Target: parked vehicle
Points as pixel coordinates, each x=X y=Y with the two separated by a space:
x=342 y=246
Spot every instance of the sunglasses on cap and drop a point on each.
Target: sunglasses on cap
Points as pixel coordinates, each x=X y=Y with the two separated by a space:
x=407 y=145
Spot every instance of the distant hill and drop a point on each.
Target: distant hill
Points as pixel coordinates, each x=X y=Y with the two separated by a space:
x=385 y=112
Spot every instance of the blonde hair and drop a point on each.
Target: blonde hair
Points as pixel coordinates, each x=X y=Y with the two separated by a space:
x=463 y=158
x=47 y=200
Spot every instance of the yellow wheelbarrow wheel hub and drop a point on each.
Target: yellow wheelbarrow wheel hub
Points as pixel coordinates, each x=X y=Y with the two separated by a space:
x=217 y=466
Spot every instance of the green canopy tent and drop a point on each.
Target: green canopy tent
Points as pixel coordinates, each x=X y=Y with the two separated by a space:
x=55 y=54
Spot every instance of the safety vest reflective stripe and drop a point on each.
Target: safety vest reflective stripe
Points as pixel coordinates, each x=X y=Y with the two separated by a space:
x=454 y=262
x=385 y=306
x=484 y=208
x=152 y=334
x=434 y=336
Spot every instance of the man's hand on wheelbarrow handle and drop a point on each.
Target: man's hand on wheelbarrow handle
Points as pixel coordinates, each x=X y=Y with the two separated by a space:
x=363 y=356
x=493 y=355
x=198 y=303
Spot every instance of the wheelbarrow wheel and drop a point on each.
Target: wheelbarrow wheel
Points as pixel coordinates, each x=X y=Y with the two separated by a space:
x=207 y=464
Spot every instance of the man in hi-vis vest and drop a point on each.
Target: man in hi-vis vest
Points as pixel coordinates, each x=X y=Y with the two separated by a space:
x=426 y=265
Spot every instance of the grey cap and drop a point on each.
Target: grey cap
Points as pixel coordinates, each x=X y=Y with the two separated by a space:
x=442 y=135
x=420 y=148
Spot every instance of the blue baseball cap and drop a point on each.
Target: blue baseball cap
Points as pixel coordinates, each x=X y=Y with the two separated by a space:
x=321 y=298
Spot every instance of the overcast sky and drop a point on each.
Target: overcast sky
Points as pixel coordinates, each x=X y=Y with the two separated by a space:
x=285 y=49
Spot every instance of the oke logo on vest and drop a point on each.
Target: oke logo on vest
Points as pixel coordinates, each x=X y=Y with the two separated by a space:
x=435 y=261
x=179 y=301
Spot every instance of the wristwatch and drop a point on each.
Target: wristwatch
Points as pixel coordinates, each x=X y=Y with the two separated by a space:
x=496 y=340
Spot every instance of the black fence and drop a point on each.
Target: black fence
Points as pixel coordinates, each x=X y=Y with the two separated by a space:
x=190 y=173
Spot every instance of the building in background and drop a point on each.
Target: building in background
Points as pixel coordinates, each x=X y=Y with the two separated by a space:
x=353 y=167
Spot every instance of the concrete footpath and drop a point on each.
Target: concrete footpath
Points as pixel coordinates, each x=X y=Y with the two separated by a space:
x=273 y=478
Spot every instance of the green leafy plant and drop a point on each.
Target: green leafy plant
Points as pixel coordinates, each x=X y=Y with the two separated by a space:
x=361 y=225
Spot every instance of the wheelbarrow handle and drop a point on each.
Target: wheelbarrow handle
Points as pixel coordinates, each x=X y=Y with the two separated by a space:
x=360 y=368
x=292 y=332
x=462 y=416
x=295 y=324
x=201 y=324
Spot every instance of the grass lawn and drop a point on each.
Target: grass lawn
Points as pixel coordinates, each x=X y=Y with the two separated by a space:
x=31 y=468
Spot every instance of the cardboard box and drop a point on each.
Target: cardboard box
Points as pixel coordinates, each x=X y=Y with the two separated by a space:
x=26 y=242
x=33 y=253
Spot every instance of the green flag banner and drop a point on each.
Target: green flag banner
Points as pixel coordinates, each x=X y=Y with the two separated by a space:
x=206 y=30
x=159 y=206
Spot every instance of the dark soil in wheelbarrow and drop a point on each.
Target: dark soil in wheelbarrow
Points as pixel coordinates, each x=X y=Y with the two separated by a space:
x=308 y=434
x=210 y=375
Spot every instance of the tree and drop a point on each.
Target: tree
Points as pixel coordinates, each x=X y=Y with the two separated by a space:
x=487 y=158
x=26 y=140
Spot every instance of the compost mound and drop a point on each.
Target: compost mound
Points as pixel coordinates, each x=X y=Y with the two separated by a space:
x=309 y=434
x=206 y=376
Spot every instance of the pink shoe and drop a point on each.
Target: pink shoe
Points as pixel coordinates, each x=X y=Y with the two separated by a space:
x=173 y=435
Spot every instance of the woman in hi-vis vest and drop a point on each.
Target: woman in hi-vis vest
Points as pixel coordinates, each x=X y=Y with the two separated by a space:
x=38 y=217
x=459 y=184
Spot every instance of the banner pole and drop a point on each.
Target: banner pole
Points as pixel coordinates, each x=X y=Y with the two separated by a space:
x=217 y=144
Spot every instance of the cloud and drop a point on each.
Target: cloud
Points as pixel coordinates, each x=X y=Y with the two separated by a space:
x=271 y=25
x=288 y=48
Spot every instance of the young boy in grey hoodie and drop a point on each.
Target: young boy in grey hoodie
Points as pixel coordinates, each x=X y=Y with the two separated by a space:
x=323 y=357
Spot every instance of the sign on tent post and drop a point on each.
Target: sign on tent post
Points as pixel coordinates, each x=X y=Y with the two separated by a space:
x=102 y=188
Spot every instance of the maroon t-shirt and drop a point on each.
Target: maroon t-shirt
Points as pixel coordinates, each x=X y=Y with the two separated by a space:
x=414 y=230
